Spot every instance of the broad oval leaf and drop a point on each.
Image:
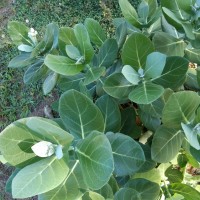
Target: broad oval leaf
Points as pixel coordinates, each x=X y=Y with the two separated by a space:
x=136 y=49
x=117 y=86
x=174 y=73
x=131 y=75
x=107 y=53
x=193 y=55
x=92 y=196
x=39 y=177
x=62 y=65
x=72 y=52
x=79 y=114
x=166 y=144
x=83 y=40
x=95 y=31
x=146 y=189
x=128 y=154
x=180 y=107
x=187 y=191
x=49 y=83
x=96 y=160
x=127 y=193
x=146 y=92
x=111 y=113
x=18 y=33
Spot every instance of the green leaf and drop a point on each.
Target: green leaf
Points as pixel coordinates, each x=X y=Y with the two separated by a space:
x=72 y=52
x=95 y=31
x=69 y=189
x=169 y=45
x=21 y=60
x=121 y=33
x=46 y=129
x=191 y=134
x=193 y=55
x=128 y=155
x=9 y=143
x=144 y=187
x=49 y=83
x=117 y=86
x=39 y=177
x=96 y=159
x=62 y=65
x=129 y=12
x=187 y=191
x=83 y=40
x=66 y=37
x=111 y=113
x=92 y=196
x=18 y=33
x=146 y=92
x=107 y=53
x=136 y=49
x=106 y=191
x=180 y=107
x=174 y=73
x=93 y=74
x=79 y=114
x=174 y=175
x=143 y=11
x=154 y=65
x=128 y=123
x=25 y=48
x=131 y=75
x=35 y=72
x=166 y=144
x=127 y=193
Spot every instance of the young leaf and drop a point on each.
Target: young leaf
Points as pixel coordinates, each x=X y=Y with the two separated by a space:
x=95 y=31
x=72 y=52
x=166 y=144
x=128 y=155
x=144 y=187
x=25 y=48
x=136 y=49
x=174 y=175
x=180 y=107
x=96 y=160
x=18 y=33
x=62 y=65
x=79 y=114
x=146 y=93
x=129 y=12
x=39 y=177
x=117 y=86
x=49 y=83
x=111 y=113
x=121 y=33
x=83 y=40
x=131 y=75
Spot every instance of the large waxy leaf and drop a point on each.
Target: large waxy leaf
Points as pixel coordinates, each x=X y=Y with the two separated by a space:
x=49 y=83
x=66 y=37
x=10 y=139
x=145 y=93
x=35 y=72
x=69 y=189
x=92 y=196
x=106 y=191
x=111 y=113
x=129 y=12
x=174 y=73
x=166 y=144
x=155 y=64
x=62 y=65
x=146 y=189
x=169 y=45
x=79 y=114
x=47 y=130
x=193 y=55
x=83 y=40
x=180 y=107
x=131 y=75
x=21 y=60
x=191 y=134
x=19 y=33
x=128 y=154
x=39 y=177
x=117 y=86
x=95 y=31
x=107 y=53
x=187 y=191
x=96 y=159
x=136 y=49
x=127 y=193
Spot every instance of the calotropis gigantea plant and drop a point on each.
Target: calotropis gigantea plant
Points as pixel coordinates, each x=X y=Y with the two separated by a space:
x=129 y=116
